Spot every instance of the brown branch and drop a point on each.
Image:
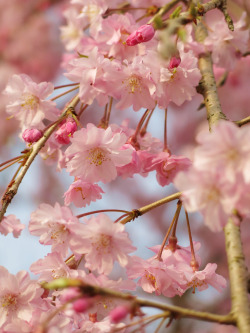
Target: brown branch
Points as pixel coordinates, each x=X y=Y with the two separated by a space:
x=243 y=121
x=207 y=85
x=175 y=311
x=145 y=209
x=12 y=190
x=238 y=277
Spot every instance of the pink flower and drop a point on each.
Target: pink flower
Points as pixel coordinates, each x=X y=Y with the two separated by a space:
x=11 y=224
x=91 y=73
x=167 y=166
x=141 y=35
x=66 y=130
x=27 y=100
x=156 y=277
x=81 y=193
x=206 y=192
x=72 y=33
x=226 y=46
x=19 y=296
x=95 y=153
x=134 y=85
x=178 y=84
x=115 y=30
x=32 y=135
x=53 y=225
x=102 y=241
x=91 y=326
x=226 y=150
x=51 y=267
x=180 y=257
x=201 y=279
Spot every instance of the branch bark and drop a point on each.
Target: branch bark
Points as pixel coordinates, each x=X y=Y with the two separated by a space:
x=207 y=86
x=147 y=208
x=238 y=277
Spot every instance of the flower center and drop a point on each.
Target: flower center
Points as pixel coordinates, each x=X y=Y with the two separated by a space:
x=133 y=84
x=150 y=277
x=79 y=189
x=91 y=11
x=103 y=243
x=97 y=156
x=196 y=283
x=9 y=302
x=30 y=102
x=57 y=231
x=59 y=273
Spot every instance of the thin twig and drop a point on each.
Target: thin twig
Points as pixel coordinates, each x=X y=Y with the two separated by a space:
x=151 y=206
x=12 y=190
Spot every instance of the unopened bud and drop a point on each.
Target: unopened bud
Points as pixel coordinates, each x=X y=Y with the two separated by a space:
x=118 y=314
x=83 y=304
x=32 y=135
x=141 y=35
x=174 y=62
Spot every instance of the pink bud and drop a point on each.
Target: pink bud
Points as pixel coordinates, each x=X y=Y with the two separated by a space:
x=118 y=313
x=174 y=62
x=81 y=305
x=66 y=130
x=69 y=294
x=32 y=135
x=141 y=35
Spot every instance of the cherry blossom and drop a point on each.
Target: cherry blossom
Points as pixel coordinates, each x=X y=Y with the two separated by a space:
x=53 y=266
x=226 y=46
x=167 y=166
x=98 y=158
x=102 y=242
x=27 y=100
x=54 y=226
x=156 y=277
x=178 y=84
x=82 y=193
x=90 y=71
x=201 y=279
x=19 y=296
x=225 y=149
x=66 y=130
x=207 y=193
x=72 y=33
x=11 y=224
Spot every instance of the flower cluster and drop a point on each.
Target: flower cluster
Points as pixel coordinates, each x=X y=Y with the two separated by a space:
x=217 y=185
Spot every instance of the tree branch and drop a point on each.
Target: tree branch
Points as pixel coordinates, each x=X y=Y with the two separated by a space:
x=12 y=190
x=175 y=311
x=145 y=209
x=207 y=86
x=243 y=121
x=238 y=277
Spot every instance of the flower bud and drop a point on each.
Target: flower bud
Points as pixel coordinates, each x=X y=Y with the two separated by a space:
x=174 y=62
x=32 y=135
x=141 y=35
x=82 y=305
x=118 y=313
